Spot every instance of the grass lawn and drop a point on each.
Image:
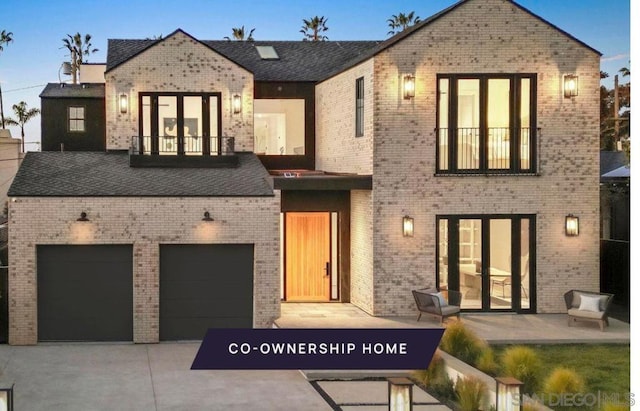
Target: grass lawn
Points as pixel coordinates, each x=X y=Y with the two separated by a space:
x=604 y=367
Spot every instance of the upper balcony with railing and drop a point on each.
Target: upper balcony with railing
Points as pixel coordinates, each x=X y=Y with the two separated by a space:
x=182 y=151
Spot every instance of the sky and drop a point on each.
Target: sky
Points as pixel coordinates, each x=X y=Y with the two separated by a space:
x=38 y=26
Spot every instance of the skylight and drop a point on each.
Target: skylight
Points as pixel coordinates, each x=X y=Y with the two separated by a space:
x=267 y=53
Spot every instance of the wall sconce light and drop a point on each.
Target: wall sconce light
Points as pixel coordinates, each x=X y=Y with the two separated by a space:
x=400 y=394
x=124 y=103
x=6 y=398
x=508 y=394
x=207 y=216
x=237 y=104
x=83 y=217
x=407 y=226
x=570 y=85
x=571 y=225
x=409 y=86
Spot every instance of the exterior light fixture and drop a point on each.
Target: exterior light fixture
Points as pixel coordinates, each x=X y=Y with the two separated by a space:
x=124 y=103
x=570 y=85
x=571 y=225
x=207 y=216
x=400 y=394
x=508 y=394
x=407 y=226
x=409 y=86
x=83 y=217
x=237 y=104
x=6 y=398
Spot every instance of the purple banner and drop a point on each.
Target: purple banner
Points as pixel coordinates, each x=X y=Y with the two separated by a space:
x=317 y=349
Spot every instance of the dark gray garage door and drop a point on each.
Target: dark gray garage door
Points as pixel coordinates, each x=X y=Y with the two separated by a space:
x=85 y=293
x=205 y=286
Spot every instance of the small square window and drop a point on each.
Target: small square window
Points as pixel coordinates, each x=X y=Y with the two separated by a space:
x=76 y=119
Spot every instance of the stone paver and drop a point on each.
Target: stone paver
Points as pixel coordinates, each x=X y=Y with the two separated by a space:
x=495 y=328
x=367 y=392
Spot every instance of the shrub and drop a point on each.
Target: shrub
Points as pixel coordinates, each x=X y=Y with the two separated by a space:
x=563 y=381
x=436 y=379
x=471 y=393
x=523 y=364
x=461 y=343
x=487 y=361
x=615 y=407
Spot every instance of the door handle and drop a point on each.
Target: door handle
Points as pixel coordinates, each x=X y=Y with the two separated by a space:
x=327 y=268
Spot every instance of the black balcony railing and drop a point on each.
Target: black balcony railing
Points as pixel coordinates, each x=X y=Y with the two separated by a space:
x=497 y=143
x=187 y=151
x=187 y=145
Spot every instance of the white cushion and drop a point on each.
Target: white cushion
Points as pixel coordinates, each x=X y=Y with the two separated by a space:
x=441 y=299
x=590 y=303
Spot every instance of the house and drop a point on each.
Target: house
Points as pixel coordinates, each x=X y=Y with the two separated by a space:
x=462 y=152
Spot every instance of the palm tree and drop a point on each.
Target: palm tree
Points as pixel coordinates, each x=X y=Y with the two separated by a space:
x=402 y=22
x=6 y=37
x=625 y=72
x=239 y=34
x=80 y=48
x=23 y=115
x=312 y=29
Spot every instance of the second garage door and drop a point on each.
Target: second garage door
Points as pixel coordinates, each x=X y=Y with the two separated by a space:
x=205 y=286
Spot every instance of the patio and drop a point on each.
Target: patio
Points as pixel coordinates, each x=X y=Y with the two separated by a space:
x=498 y=328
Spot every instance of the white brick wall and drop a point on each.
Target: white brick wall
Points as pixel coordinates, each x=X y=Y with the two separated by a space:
x=146 y=223
x=488 y=36
x=178 y=64
x=337 y=148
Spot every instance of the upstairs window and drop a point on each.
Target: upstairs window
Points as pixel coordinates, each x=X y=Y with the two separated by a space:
x=279 y=126
x=360 y=107
x=76 y=119
x=486 y=124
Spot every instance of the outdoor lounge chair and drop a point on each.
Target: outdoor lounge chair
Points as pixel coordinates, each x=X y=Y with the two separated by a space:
x=432 y=302
x=588 y=306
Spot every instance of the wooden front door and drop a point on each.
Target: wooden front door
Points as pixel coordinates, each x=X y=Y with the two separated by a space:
x=308 y=257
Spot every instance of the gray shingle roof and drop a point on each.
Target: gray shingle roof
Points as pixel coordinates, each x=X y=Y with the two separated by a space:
x=95 y=174
x=86 y=90
x=299 y=60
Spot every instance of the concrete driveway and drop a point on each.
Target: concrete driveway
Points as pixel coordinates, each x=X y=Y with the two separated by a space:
x=94 y=377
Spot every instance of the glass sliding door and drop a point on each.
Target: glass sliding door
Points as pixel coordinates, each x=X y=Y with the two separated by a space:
x=489 y=259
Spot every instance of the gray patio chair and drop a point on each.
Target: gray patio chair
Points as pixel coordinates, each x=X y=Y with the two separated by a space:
x=430 y=302
x=577 y=312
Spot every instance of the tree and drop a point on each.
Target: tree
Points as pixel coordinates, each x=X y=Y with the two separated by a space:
x=401 y=22
x=23 y=115
x=80 y=49
x=6 y=37
x=609 y=133
x=239 y=34
x=312 y=29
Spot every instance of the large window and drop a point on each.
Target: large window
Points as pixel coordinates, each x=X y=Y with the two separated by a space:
x=360 y=107
x=486 y=123
x=489 y=258
x=180 y=123
x=76 y=119
x=279 y=126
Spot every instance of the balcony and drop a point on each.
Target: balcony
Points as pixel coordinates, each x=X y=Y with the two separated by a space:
x=186 y=152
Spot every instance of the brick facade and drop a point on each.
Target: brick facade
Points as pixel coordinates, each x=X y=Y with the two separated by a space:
x=492 y=36
x=337 y=148
x=178 y=64
x=145 y=223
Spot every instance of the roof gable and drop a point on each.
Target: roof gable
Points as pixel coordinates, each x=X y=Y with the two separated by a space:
x=121 y=51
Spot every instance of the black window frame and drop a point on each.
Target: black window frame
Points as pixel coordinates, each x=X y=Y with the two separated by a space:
x=360 y=107
x=70 y=119
x=515 y=129
x=206 y=119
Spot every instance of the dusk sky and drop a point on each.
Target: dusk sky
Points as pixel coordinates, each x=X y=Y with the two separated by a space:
x=35 y=55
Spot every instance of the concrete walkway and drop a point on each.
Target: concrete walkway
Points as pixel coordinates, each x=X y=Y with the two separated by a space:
x=495 y=328
x=96 y=377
